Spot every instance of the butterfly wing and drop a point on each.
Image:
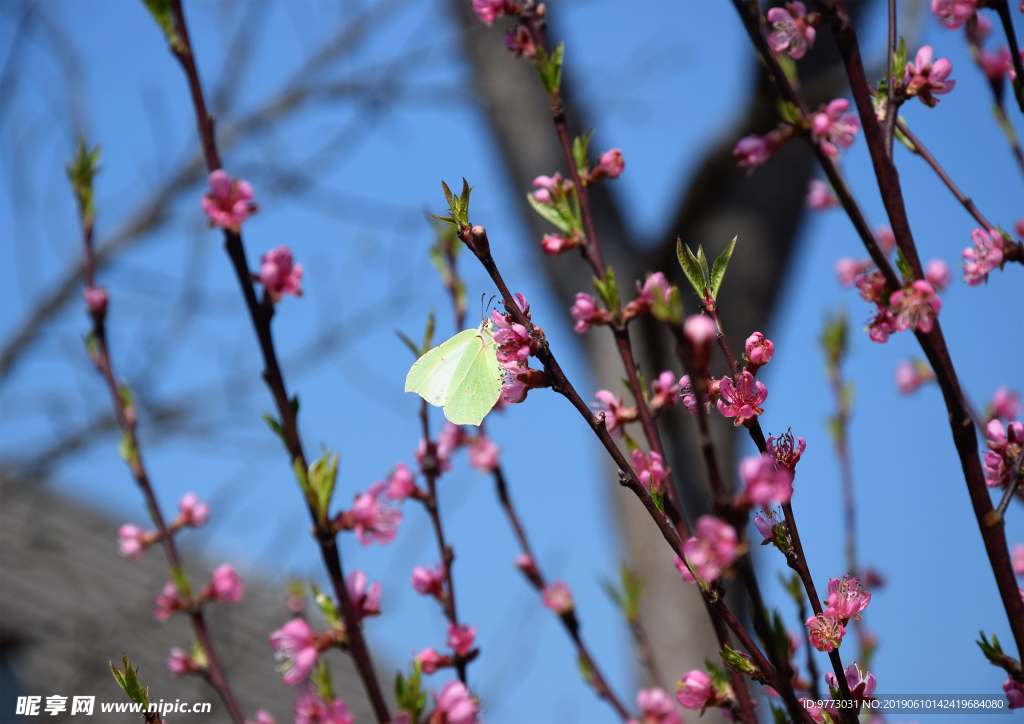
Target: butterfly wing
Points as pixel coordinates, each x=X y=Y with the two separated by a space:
x=475 y=383
x=431 y=375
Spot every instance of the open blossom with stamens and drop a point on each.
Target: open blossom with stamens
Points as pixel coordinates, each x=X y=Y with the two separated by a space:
x=520 y=42
x=772 y=527
x=557 y=597
x=365 y=599
x=312 y=708
x=786 y=449
x=429 y=580
x=610 y=165
x=460 y=638
x=666 y=391
x=742 y=400
x=1004 y=446
x=765 y=485
x=489 y=10
x=483 y=454
x=225 y=585
x=754 y=150
x=180 y=663
x=833 y=128
x=826 y=630
x=229 y=201
x=1014 y=691
x=513 y=338
x=984 y=257
x=927 y=78
x=430 y=661
x=373 y=520
x=616 y=415
x=820 y=196
x=882 y=325
x=694 y=689
x=455 y=705
x=279 y=275
x=712 y=550
x=954 y=13
x=192 y=511
x=650 y=469
x=912 y=374
x=586 y=313
x=846 y=598
x=1005 y=404
x=848 y=269
x=132 y=541
x=937 y=274
x=513 y=389
x=555 y=244
x=758 y=351
x=400 y=483
x=872 y=287
x=861 y=683
x=792 y=33
x=656 y=708
x=296 y=648
x=915 y=306
x=167 y=602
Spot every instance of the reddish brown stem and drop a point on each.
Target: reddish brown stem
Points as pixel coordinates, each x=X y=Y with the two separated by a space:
x=260 y=315
x=214 y=670
x=1003 y=8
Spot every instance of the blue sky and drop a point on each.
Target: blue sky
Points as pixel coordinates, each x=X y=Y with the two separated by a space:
x=364 y=247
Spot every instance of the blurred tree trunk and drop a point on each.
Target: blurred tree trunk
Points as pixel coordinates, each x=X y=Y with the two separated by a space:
x=719 y=202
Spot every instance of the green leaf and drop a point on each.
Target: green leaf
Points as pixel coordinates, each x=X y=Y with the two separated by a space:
x=585 y=671
x=703 y=262
x=181 y=582
x=632 y=591
x=903 y=265
x=556 y=67
x=161 y=12
x=127 y=450
x=721 y=264
x=408 y=342
x=670 y=312
x=550 y=213
x=303 y=479
x=322 y=681
x=903 y=139
x=787 y=111
x=778 y=714
x=294 y=402
x=326 y=605
x=128 y=680
x=793 y=586
x=608 y=290
x=323 y=474
x=199 y=654
x=631 y=444
x=81 y=170
x=737 y=661
x=690 y=267
x=899 y=62
x=428 y=333
x=464 y=200
x=658 y=499
x=579 y=150
x=275 y=426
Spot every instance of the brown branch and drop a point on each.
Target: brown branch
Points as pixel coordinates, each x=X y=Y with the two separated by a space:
x=1003 y=8
x=101 y=357
x=261 y=315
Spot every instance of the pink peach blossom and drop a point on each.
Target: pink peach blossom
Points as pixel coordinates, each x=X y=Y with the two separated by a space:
x=792 y=33
x=666 y=391
x=833 y=128
x=167 y=602
x=555 y=244
x=926 y=79
x=885 y=239
x=954 y=13
x=700 y=330
x=513 y=389
x=616 y=415
x=861 y=683
x=1014 y=693
x=650 y=469
x=686 y=391
x=229 y=201
x=400 y=483
x=656 y=707
x=520 y=42
x=610 y=165
x=766 y=485
x=995 y=65
x=915 y=306
x=848 y=269
x=226 y=586
x=365 y=600
x=180 y=663
x=758 y=351
x=881 y=326
x=430 y=661
x=262 y=717
x=373 y=520
x=279 y=275
x=786 y=449
x=489 y=10
x=910 y=375
x=513 y=338
x=131 y=541
x=712 y=549
x=429 y=580
x=455 y=705
x=296 y=648
x=742 y=400
x=311 y=708
x=820 y=196
x=95 y=300
x=557 y=597
x=826 y=630
x=1005 y=404
x=937 y=274
x=1017 y=556
x=754 y=150
x=483 y=454
x=193 y=512
x=694 y=690
x=460 y=638
x=984 y=257
x=586 y=313
x=846 y=598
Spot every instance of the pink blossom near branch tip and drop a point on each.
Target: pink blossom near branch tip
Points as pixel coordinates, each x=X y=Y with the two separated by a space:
x=741 y=401
x=937 y=274
x=455 y=705
x=429 y=580
x=311 y=708
x=557 y=597
x=650 y=468
x=167 y=602
x=656 y=707
x=693 y=690
x=1005 y=404
x=711 y=550
x=758 y=351
x=180 y=663
x=193 y=511
x=373 y=520
x=916 y=306
x=131 y=541
x=95 y=300
x=616 y=415
x=985 y=256
x=400 y=483
x=926 y=77
x=279 y=275
x=826 y=630
x=791 y=31
x=847 y=598
x=848 y=269
x=295 y=646
x=766 y=485
x=484 y=454
x=365 y=599
x=229 y=201
x=786 y=449
x=226 y=586
x=820 y=196
x=954 y=13
x=429 y=660
x=460 y=638
x=833 y=127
